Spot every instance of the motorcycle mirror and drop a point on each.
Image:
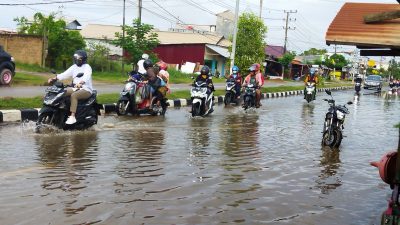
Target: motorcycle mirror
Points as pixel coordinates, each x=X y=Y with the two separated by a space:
x=79 y=75
x=53 y=71
x=328 y=92
x=349 y=102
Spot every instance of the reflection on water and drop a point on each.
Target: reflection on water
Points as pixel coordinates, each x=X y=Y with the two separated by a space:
x=329 y=179
x=264 y=167
x=68 y=158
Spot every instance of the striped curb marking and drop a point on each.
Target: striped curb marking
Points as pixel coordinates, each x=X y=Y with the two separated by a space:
x=32 y=114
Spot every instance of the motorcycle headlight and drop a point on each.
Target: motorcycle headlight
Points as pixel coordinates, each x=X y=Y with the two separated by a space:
x=339 y=115
x=128 y=86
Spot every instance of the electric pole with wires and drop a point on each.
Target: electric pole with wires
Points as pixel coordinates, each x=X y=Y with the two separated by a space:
x=287 y=27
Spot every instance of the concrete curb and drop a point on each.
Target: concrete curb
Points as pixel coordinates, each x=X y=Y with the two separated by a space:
x=32 y=114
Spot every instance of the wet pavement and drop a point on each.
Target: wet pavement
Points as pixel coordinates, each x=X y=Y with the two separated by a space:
x=261 y=167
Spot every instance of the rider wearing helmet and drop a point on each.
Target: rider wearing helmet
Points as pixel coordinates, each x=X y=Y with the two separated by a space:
x=255 y=79
x=82 y=83
x=141 y=69
x=158 y=86
x=163 y=73
x=312 y=78
x=238 y=80
x=204 y=77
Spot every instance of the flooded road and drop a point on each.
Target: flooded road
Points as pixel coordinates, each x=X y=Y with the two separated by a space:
x=264 y=167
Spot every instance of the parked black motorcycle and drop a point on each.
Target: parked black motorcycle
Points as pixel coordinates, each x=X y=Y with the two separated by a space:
x=249 y=96
x=56 y=109
x=230 y=92
x=334 y=119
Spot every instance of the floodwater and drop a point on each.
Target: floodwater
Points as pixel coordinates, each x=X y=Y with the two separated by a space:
x=263 y=167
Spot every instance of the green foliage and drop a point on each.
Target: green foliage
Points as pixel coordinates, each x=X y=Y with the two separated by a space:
x=61 y=43
x=98 y=56
x=139 y=39
x=336 y=61
x=250 y=41
x=314 y=51
x=287 y=58
x=394 y=69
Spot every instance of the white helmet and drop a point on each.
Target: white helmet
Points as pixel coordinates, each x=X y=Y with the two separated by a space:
x=145 y=56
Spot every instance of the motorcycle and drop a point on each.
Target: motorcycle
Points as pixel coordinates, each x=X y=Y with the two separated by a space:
x=230 y=92
x=392 y=88
x=389 y=171
x=310 y=88
x=357 y=87
x=249 y=96
x=135 y=99
x=201 y=97
x=56 y=105
x=334 y=120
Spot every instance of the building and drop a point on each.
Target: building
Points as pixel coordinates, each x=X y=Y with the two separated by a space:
x=273 y=69
x=225 y=23
x=175 y=47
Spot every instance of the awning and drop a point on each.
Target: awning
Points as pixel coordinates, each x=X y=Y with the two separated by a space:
x=374 y=39
x=220 y=50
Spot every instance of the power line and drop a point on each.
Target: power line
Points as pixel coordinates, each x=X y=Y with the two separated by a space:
x=40 y=3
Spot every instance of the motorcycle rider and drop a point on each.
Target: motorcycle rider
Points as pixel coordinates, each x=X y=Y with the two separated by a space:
x=255 y=79
x=238 y=80
x=312 y=78
x=140 y=63
x=204 y=77
x=82 y=86
x=156 y=84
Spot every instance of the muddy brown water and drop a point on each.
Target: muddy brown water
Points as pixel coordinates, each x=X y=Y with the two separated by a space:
x=263 y=167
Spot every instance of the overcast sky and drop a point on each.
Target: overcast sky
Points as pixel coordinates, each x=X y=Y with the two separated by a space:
x=311 y=20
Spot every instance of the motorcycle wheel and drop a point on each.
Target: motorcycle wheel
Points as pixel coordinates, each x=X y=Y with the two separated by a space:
x=196 y=110
x=228 y=99
x=247 y=102
x=308 y=98
x=332 y=140
x=121 y=108
x=44 y=118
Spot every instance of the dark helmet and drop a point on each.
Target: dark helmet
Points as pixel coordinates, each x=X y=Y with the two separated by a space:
x=80 y=57
x=147 y=64
x=205 y=70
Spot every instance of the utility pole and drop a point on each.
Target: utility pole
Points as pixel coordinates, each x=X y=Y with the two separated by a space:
x=261 y=3
x=287 y=27
x=140 y=11
x=234 y=35
x=123 y=39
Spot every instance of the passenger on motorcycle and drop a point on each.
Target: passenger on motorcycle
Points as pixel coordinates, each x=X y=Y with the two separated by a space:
x=312 y=78
x=140 y=64
x=82 y=86
x=255 y=79
x=163 y=74
x=358 y=79
x=238 y=80
x=156 y=84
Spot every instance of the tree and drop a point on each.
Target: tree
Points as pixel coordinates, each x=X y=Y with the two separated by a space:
x=287 y=58
x=98 y=56
x=250 y=41
x=336 y=61
x=62 y=43
x=139 y=39
x=394 y=69
x=314 y=51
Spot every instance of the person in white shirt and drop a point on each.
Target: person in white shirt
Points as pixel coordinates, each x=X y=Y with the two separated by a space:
x=82 y=83
x=142 y=70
